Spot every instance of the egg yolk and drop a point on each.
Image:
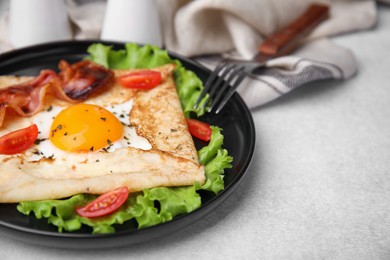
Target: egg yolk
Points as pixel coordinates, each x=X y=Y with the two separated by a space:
x=85 y=127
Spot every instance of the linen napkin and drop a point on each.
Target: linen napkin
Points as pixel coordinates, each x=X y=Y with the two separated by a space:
x=237 y=28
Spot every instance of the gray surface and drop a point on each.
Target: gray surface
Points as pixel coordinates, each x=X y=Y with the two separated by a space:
x=319 y=185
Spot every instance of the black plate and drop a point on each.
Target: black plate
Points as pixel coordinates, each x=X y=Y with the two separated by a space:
x=235 y=119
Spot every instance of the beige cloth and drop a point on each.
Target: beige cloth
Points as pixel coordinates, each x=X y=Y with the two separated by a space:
x=232 y=27
x=215 y=26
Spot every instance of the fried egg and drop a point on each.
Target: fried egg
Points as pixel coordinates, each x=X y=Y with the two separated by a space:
x=83 y=128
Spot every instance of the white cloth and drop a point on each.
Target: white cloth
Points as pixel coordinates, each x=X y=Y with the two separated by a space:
x=194 y=28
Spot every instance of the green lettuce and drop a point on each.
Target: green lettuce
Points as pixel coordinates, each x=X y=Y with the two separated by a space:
x=151 y=206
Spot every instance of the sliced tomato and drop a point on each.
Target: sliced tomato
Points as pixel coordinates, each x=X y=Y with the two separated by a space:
x=200 y=130
x=18 y=141
x=104 y=204
x=143 y=79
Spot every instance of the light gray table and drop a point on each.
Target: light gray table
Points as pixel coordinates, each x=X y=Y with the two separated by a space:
x=319 y=184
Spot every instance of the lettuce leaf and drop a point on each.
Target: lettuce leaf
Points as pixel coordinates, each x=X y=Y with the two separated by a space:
x=216 y=160
x=152 y=206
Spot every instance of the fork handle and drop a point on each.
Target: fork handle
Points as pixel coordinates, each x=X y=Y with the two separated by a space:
x=287 y=40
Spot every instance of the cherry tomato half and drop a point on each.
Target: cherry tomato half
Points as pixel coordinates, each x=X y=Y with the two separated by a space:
x=104 y=204
x=143 y=79
x=200 y=130
x=18 y=141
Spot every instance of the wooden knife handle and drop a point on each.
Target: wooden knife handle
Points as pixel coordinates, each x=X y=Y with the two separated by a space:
x=288 y=39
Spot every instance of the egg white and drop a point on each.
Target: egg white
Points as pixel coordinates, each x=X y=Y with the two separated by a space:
x=44 y=148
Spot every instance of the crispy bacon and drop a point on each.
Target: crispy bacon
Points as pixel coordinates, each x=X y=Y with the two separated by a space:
x=73 y=84
x=26 y=98
x=83 y=78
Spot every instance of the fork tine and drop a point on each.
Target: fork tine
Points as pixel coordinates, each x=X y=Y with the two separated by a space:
x=231 y=91
x=237 y=71
x=208 y=84
x=227 y=69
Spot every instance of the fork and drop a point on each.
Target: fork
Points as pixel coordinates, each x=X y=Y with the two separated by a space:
x=229 y=74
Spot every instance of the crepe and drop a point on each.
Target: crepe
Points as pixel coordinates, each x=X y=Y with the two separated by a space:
x=156 y=115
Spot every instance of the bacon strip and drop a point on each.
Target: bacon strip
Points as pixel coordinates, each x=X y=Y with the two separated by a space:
x=25 y=98
x=83 y=78
x=73 y=84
